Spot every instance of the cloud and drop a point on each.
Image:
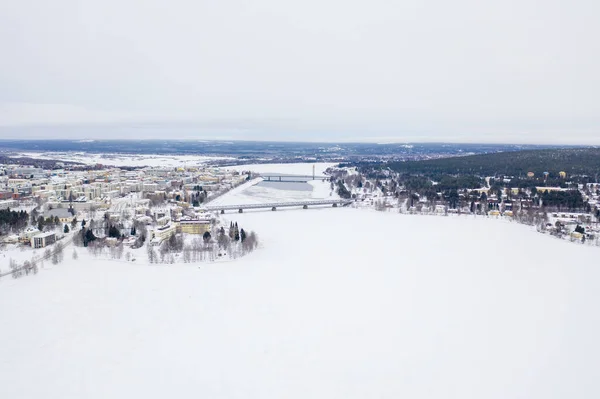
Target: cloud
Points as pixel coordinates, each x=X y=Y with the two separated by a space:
x=485 y=71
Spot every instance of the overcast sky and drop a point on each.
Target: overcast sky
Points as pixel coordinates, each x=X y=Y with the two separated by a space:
x=327 y=70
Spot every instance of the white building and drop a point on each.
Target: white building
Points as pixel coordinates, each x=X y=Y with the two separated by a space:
x=42 y=240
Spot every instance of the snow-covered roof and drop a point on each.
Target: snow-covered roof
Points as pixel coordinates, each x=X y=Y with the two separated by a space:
x=43 y=235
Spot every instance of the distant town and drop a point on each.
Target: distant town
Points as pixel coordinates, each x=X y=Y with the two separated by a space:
x=117 y=209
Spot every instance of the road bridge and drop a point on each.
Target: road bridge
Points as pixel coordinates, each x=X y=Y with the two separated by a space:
x=292 y=178
x=274 y=205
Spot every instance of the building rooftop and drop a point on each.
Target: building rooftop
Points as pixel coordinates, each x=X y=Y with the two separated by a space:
x=43 y=235
x=60 y=212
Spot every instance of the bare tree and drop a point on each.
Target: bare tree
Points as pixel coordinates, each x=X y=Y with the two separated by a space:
x=152 y=257
x=34 y=265
x=119 y=252
x=75 y=256
x=58 y=250
x=27 y=267
x=54 y=258
x=223 y=240
x=112 y=250
x=16 y=270
x=250 y=243
x=187 y=254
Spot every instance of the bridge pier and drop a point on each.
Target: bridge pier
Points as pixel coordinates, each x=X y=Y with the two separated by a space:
x=222 y=211
x=240 y=210
x=335 y=205
x=305 y=207
x=274 y=209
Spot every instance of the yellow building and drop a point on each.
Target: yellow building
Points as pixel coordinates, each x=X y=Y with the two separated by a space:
x=63 y=214
x=576 y=235
x=562 y=174
x=163 y=233
x=194 y=226
x=548 y=189
x=208 y=178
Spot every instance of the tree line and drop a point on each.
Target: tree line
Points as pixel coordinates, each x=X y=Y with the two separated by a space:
x=573 y=161
x=12 y=220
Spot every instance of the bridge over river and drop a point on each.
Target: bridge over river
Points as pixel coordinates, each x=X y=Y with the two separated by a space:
x=291 y=178
x=274 y=205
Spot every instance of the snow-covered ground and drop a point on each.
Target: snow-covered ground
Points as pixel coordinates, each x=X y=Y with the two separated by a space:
x=124 y=159
x=336 y=303
x=305 y=169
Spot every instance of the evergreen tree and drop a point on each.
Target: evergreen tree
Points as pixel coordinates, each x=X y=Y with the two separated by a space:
x=83 y=223
x=66 y=229
x=88 y=236
x=231 y=231
x=236 y=233
x=242 y=235
x=114 y=232
x=206 y=236
x=133 y=232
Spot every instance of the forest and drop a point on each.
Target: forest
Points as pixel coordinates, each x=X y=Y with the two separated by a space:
x=573 y=161
x=12 y=220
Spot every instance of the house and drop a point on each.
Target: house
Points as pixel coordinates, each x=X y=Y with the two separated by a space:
x=63 y=214
x=28 y=234
x=11 y=239
x=42 y=240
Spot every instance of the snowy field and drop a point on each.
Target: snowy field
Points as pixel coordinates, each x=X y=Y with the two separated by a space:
x=139 y=160
x=336 y=303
